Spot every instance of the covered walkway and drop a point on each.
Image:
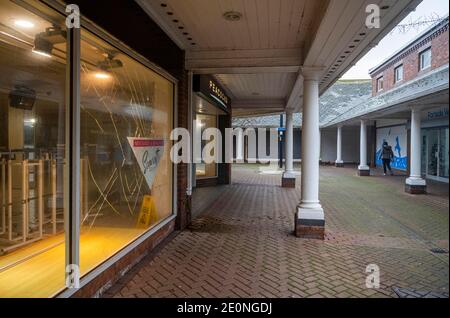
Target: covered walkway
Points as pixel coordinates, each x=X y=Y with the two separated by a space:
x=242 y=243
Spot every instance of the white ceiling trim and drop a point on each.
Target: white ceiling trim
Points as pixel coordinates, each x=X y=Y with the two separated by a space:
x=288 y=59
x=155 y=16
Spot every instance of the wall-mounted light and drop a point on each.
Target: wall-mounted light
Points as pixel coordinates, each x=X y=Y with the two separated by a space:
x=24 y=24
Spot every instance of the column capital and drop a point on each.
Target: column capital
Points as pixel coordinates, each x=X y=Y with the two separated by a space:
x=415 y=109
x=312 y=73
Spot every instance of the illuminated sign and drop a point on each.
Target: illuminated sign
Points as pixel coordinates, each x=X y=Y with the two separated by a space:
x=212 y=90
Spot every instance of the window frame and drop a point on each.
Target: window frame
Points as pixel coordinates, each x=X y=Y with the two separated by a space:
x=421 y=54
x=398 y=67
x=380 y=79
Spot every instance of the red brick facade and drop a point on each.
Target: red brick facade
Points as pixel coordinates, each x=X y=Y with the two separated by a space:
x=437 y=39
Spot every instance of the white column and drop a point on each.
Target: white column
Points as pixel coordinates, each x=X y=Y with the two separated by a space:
x=415 y=178
x=309 y=212
x=363 y=147
x=339 y=161
x=289 y=144
x=239 y=145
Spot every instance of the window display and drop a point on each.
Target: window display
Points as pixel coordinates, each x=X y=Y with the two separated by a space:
x=126 y=181
x=126 y=120
x=32 y=115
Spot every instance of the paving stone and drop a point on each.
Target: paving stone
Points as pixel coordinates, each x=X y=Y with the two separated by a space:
x=242 y=244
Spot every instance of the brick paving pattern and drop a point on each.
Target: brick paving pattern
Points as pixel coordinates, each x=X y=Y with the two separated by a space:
x=242 y=245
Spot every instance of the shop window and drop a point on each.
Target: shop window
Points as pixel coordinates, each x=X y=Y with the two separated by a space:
x=126 y=182
x=398 y=76
x=126 y=171
x=32 y=151
x=206 y=170
x=380 y=84
x=425 y=59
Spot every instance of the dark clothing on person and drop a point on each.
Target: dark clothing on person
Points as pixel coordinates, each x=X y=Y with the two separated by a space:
x=386 y=156
x=387 y=153
x=387 y=165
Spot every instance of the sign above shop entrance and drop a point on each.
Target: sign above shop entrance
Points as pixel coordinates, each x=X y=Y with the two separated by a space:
x=207 y=86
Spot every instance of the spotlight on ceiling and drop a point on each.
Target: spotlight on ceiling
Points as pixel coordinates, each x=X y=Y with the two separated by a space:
x=232 y=16
x=42 y=47
x=44 y=41
x=24 y=24
x=102 y=75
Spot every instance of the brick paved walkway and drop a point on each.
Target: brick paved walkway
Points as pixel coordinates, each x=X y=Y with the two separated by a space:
x=242 y=244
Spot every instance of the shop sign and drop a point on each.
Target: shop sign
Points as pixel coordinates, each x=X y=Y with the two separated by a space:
x=148 y=152
x=212 y=90
x=439 y=113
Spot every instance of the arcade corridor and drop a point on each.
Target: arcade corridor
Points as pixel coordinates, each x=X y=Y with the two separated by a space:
x=242 y=244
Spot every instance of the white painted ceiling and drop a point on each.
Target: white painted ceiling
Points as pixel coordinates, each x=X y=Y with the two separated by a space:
x=264 y=51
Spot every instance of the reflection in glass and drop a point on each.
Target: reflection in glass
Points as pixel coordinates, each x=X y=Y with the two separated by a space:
x=126 y=172
x=32 y=142
x=206 y=170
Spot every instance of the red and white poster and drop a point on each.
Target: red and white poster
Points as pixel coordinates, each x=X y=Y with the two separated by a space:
x=148 y=152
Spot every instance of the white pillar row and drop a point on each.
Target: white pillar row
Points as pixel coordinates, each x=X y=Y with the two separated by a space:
x=289 y=143
x=415 y=184
x=288 y=178
x=339 y=161
x=363 y=169
x=310 y=219
x=239 y=145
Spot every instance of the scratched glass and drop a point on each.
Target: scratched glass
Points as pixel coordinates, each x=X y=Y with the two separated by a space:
x=126 y=171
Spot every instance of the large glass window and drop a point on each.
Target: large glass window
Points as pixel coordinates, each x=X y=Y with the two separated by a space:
x=126 y=171
x=126 y=182
x=32 y=146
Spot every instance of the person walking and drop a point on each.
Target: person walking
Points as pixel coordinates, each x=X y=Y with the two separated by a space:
x=387 y=155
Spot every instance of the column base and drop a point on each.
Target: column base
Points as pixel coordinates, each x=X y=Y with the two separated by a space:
x=415 y=186
x=288 y=180
x=310 y=223
x=339 y=164
x=364 y=171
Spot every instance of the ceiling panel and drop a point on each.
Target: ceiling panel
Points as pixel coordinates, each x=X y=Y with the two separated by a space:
x=264 y=23
x=258 y=86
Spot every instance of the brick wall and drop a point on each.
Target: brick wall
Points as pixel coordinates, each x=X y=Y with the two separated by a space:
x=438 y=41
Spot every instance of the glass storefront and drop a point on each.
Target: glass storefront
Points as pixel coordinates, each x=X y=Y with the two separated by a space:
x=435 y=153
x=126 y=175
x=206 y=170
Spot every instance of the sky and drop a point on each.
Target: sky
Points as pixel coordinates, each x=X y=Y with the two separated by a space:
x=395 y=40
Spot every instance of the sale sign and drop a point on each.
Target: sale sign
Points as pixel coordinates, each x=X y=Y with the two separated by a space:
x=148 y=152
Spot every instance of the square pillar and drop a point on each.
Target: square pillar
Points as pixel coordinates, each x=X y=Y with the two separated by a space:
x=363 y=168
x=288 y=178
x=309 y=217
x=415 y=184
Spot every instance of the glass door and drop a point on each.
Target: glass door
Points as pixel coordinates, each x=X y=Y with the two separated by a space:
x=437 y=154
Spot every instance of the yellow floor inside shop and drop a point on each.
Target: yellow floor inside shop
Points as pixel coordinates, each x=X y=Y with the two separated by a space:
x=37 y=270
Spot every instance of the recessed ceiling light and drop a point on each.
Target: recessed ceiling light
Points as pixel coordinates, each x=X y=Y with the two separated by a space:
x=232 y=16
x=24 y=24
